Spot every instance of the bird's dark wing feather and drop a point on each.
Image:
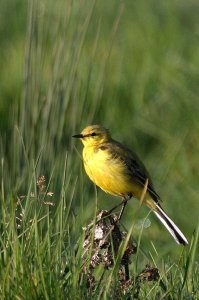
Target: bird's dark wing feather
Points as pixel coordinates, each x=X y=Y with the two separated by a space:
x=135 y=168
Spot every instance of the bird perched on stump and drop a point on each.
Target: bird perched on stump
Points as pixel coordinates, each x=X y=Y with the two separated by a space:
x=119 y=172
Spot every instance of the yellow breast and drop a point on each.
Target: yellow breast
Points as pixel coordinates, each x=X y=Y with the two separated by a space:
x=108 y=173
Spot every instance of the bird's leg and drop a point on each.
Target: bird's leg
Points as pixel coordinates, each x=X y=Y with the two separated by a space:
x=124 y=202
x=112 y=209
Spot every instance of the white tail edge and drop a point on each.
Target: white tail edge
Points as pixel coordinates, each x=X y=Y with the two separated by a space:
x=171 y=227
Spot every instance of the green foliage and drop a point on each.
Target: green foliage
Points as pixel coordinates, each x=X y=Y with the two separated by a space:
x=131 y=66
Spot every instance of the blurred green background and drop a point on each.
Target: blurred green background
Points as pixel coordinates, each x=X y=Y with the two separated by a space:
x=132 y=66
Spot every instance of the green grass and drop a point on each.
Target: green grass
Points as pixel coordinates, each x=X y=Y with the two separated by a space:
x=131 y=66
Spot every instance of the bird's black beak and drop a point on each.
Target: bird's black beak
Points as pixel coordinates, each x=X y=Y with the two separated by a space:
x=78 y=136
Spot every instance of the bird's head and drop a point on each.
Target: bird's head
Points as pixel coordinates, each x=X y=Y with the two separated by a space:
x=93 y=135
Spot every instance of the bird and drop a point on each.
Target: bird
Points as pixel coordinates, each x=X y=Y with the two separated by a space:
x=118 y=171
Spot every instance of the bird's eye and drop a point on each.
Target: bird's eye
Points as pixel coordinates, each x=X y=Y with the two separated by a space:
x=93 y=134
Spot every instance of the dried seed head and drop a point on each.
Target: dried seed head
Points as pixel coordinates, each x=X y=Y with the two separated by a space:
x=41 y=182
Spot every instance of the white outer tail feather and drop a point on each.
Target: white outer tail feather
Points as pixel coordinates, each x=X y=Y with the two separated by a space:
x=173 y=229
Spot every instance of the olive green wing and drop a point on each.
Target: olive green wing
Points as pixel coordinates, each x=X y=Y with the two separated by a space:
x=135 y=168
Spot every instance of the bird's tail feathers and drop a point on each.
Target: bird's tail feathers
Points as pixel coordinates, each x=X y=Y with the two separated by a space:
x=169 y=224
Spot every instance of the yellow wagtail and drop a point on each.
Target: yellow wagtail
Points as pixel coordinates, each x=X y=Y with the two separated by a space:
x=118 y=171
